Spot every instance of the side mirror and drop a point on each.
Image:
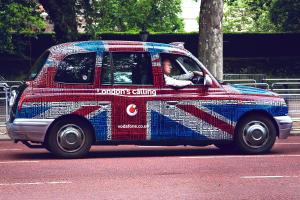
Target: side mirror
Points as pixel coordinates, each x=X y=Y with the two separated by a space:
x=207 y=81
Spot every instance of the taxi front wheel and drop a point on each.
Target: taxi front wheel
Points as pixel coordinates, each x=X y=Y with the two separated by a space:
x=69 y=139
x=255 y=134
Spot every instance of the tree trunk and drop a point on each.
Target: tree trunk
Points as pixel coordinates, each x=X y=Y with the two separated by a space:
x=62 y=13
x=211 y=36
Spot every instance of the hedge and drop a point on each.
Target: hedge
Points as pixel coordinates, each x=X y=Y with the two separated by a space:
x=241 y=50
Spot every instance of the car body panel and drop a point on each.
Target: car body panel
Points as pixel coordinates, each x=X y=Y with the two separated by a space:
x=196 y=113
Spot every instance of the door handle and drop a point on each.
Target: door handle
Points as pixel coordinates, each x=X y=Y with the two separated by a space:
x=103 y=103
x=172 y=103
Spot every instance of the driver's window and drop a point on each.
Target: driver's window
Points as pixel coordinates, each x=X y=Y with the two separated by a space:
x=176 y=69
x=188 y=63
x=181 y=68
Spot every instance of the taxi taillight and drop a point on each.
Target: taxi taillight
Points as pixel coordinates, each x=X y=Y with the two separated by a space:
x=21 y=102
x=18 y=101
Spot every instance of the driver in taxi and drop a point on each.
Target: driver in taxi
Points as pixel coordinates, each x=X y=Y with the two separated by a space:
x=180 y=80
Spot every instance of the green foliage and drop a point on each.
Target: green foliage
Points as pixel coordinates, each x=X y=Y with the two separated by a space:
x=17 y=17
x=131 y=15
x=262 y=16
x=285 y=14
x=248 y=16
x=63 y=16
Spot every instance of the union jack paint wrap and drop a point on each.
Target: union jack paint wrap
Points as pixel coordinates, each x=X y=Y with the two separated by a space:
x=158 y=111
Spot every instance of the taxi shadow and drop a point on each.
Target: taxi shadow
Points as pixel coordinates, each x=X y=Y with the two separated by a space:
x=156 y=153
x=137 y=153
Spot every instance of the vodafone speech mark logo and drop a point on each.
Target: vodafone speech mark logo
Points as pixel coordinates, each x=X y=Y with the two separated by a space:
x=131 y=110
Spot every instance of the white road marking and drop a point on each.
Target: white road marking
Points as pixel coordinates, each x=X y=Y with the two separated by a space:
x=262 y=177
x=288 y=143
x=241 y=156
x=20 y=161
x=36 y=183
x=10 y=149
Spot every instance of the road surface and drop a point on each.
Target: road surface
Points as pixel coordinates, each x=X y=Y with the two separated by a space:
x=134 y=172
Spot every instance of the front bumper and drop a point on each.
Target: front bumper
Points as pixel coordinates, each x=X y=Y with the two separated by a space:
x=285 y=124
x=28 y=129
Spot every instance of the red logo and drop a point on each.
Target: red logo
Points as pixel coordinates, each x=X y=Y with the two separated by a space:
x=131 y=110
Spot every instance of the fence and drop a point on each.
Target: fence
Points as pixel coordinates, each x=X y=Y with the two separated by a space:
x=289 y=89
x=4 y=93
x=256 y=78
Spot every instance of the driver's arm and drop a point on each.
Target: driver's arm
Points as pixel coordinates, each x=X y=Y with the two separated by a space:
x=187 y=76
x=176 y=83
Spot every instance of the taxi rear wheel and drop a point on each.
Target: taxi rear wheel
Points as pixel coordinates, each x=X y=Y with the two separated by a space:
x=255 y=134
x=70 y=139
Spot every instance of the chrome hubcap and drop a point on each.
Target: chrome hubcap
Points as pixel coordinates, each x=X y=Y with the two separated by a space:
x=70 y=138
x=256 y=134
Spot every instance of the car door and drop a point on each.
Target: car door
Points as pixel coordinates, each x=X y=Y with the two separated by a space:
x=183 y=113
x=126 y=80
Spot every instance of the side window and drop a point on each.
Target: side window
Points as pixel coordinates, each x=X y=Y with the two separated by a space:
x=176 y=69
x=180 y=70
x=126 y=68
x=188 y=63
x=106 y=71
x=180 y=64
x=38 y=65
x=77 y=68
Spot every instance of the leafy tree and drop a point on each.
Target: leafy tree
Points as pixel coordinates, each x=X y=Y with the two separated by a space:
x=94 y=15
x=131 y=15
x=112 y=15
x=19 y=16
x=248 y=16
x=63 y=15
x=104 y=15
x=262 y=15
x=285 y=14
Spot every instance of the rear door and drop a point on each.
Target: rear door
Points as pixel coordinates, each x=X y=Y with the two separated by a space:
x=126 y=79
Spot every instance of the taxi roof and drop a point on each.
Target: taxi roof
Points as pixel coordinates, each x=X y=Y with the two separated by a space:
x=115 y=45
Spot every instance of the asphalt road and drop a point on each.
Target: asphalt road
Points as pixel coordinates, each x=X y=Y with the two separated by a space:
x=134 y=172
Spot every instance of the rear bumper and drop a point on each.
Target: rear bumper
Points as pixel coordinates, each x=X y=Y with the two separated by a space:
x=28 y=129
x=285 y=124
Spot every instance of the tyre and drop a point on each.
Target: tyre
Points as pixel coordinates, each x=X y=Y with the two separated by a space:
x=69 y=139
x=45 y=145
x=255 y=134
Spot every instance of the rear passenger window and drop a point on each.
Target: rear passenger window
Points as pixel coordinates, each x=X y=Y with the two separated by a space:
x=77 y=68
x=125 y=68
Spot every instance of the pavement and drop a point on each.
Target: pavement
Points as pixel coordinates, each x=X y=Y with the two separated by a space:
x=4 y=137
x=143 y=172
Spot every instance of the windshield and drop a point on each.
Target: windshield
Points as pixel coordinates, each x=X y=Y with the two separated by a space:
x=202 y=66
x=40 y=62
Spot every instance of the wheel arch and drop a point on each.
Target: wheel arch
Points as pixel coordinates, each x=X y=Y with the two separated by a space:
x=74 y=117
x=257 y=112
